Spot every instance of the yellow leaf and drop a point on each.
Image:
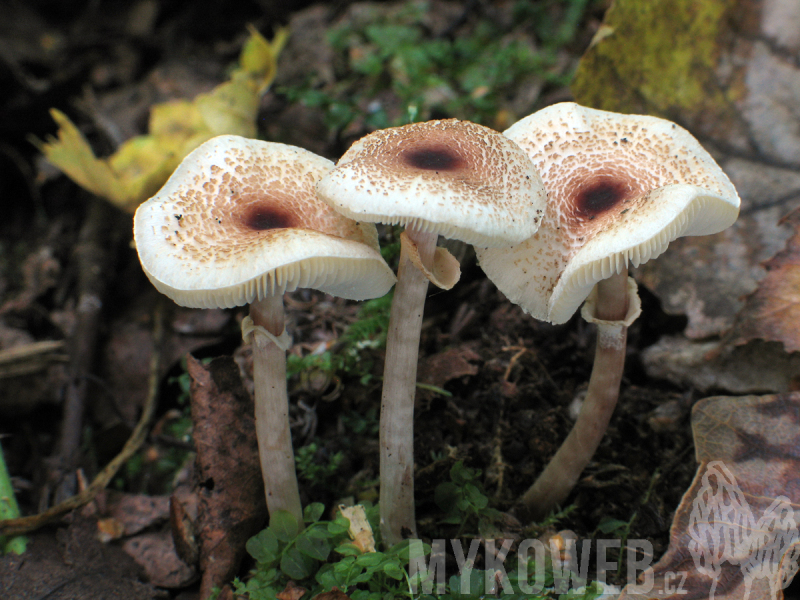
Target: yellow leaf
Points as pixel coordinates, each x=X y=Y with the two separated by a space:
x=142 y=164
x=230 y=107
x=259 y=58
x=178 y=119
x=71 y=153
x=179 y=125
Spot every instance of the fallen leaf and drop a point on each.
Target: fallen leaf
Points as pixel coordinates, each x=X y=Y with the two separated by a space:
x=735 y=533
x=136 y=512
x=156 y=553
x=292 y=591
x=755 y=367
x=109 y=529
x=232 y=504
x=360 y=530
x=450 y=364
x=143 y=163
x=125 y=357
x=182 y=517
x=772 y=312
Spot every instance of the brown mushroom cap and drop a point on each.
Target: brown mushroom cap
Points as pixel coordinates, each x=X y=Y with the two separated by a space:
x=621 y=187
x=239 y=220
x=453 y=178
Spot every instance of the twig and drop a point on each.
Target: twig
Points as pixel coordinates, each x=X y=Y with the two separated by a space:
x=92 y=258
x=139 y=434
x=30 y=358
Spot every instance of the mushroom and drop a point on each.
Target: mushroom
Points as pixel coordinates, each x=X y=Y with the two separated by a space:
x=620 y=188
x=451 y=178
x=239 y=223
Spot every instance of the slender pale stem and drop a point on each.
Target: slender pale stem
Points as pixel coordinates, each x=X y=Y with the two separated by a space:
x=561 y=474
x=272 y=410
x=399 y=388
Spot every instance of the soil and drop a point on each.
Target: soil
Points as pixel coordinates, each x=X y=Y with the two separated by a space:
x=512 y=380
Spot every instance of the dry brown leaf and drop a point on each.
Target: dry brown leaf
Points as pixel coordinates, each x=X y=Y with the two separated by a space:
x=332 y=595
x=156 y=554
x=756 y=367
x=125 y=357
x=772 y=312
x=182 y=518
x=292 y=591
x=232 y=505
x=109 y=529
x=136 y=512
x=735 y=534
x=450 y=364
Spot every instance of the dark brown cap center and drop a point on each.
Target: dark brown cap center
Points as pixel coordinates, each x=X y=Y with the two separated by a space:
x=599 y=197
x=260 y=216
x=438 y=158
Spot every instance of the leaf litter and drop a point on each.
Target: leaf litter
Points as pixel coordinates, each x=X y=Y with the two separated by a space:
x=517 y=402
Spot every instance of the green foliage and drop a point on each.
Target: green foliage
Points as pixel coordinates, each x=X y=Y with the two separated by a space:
x=542 y=581
x=368 y=332
x=362 y=423
x=553 y=519
x=617 y=528
x=322 y=557
x=469 y=73
x=184 y=383
x=463 y=500
x=9 y=509
x=374 y=575
x=555 y=22
x=313 y=471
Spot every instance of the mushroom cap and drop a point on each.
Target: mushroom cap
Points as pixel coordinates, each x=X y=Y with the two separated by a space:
x=239 y=220
x=454 y=178
x=621 y=188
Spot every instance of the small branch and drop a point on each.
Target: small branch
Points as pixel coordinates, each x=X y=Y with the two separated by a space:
x=92 y=258
x=139 y=434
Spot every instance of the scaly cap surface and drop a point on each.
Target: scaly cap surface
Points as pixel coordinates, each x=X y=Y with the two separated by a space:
x=239 y=220
x=455 y=178
x=620 y=188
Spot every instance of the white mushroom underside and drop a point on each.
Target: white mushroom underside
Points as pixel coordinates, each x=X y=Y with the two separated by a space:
x=350 y=278
x=469 y=234
x=486 y=192
x=702 y=214
x=239 y=220
x=620 y=189
x=552 y=292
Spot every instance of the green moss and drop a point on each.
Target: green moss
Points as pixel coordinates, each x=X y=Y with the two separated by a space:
x=656 y=56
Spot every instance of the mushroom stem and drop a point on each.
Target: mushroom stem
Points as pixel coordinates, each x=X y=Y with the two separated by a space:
x=272 y=409
x=615 y=297
x=399 y=389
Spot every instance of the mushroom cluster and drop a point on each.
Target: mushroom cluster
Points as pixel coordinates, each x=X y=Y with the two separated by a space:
x=558 y=207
